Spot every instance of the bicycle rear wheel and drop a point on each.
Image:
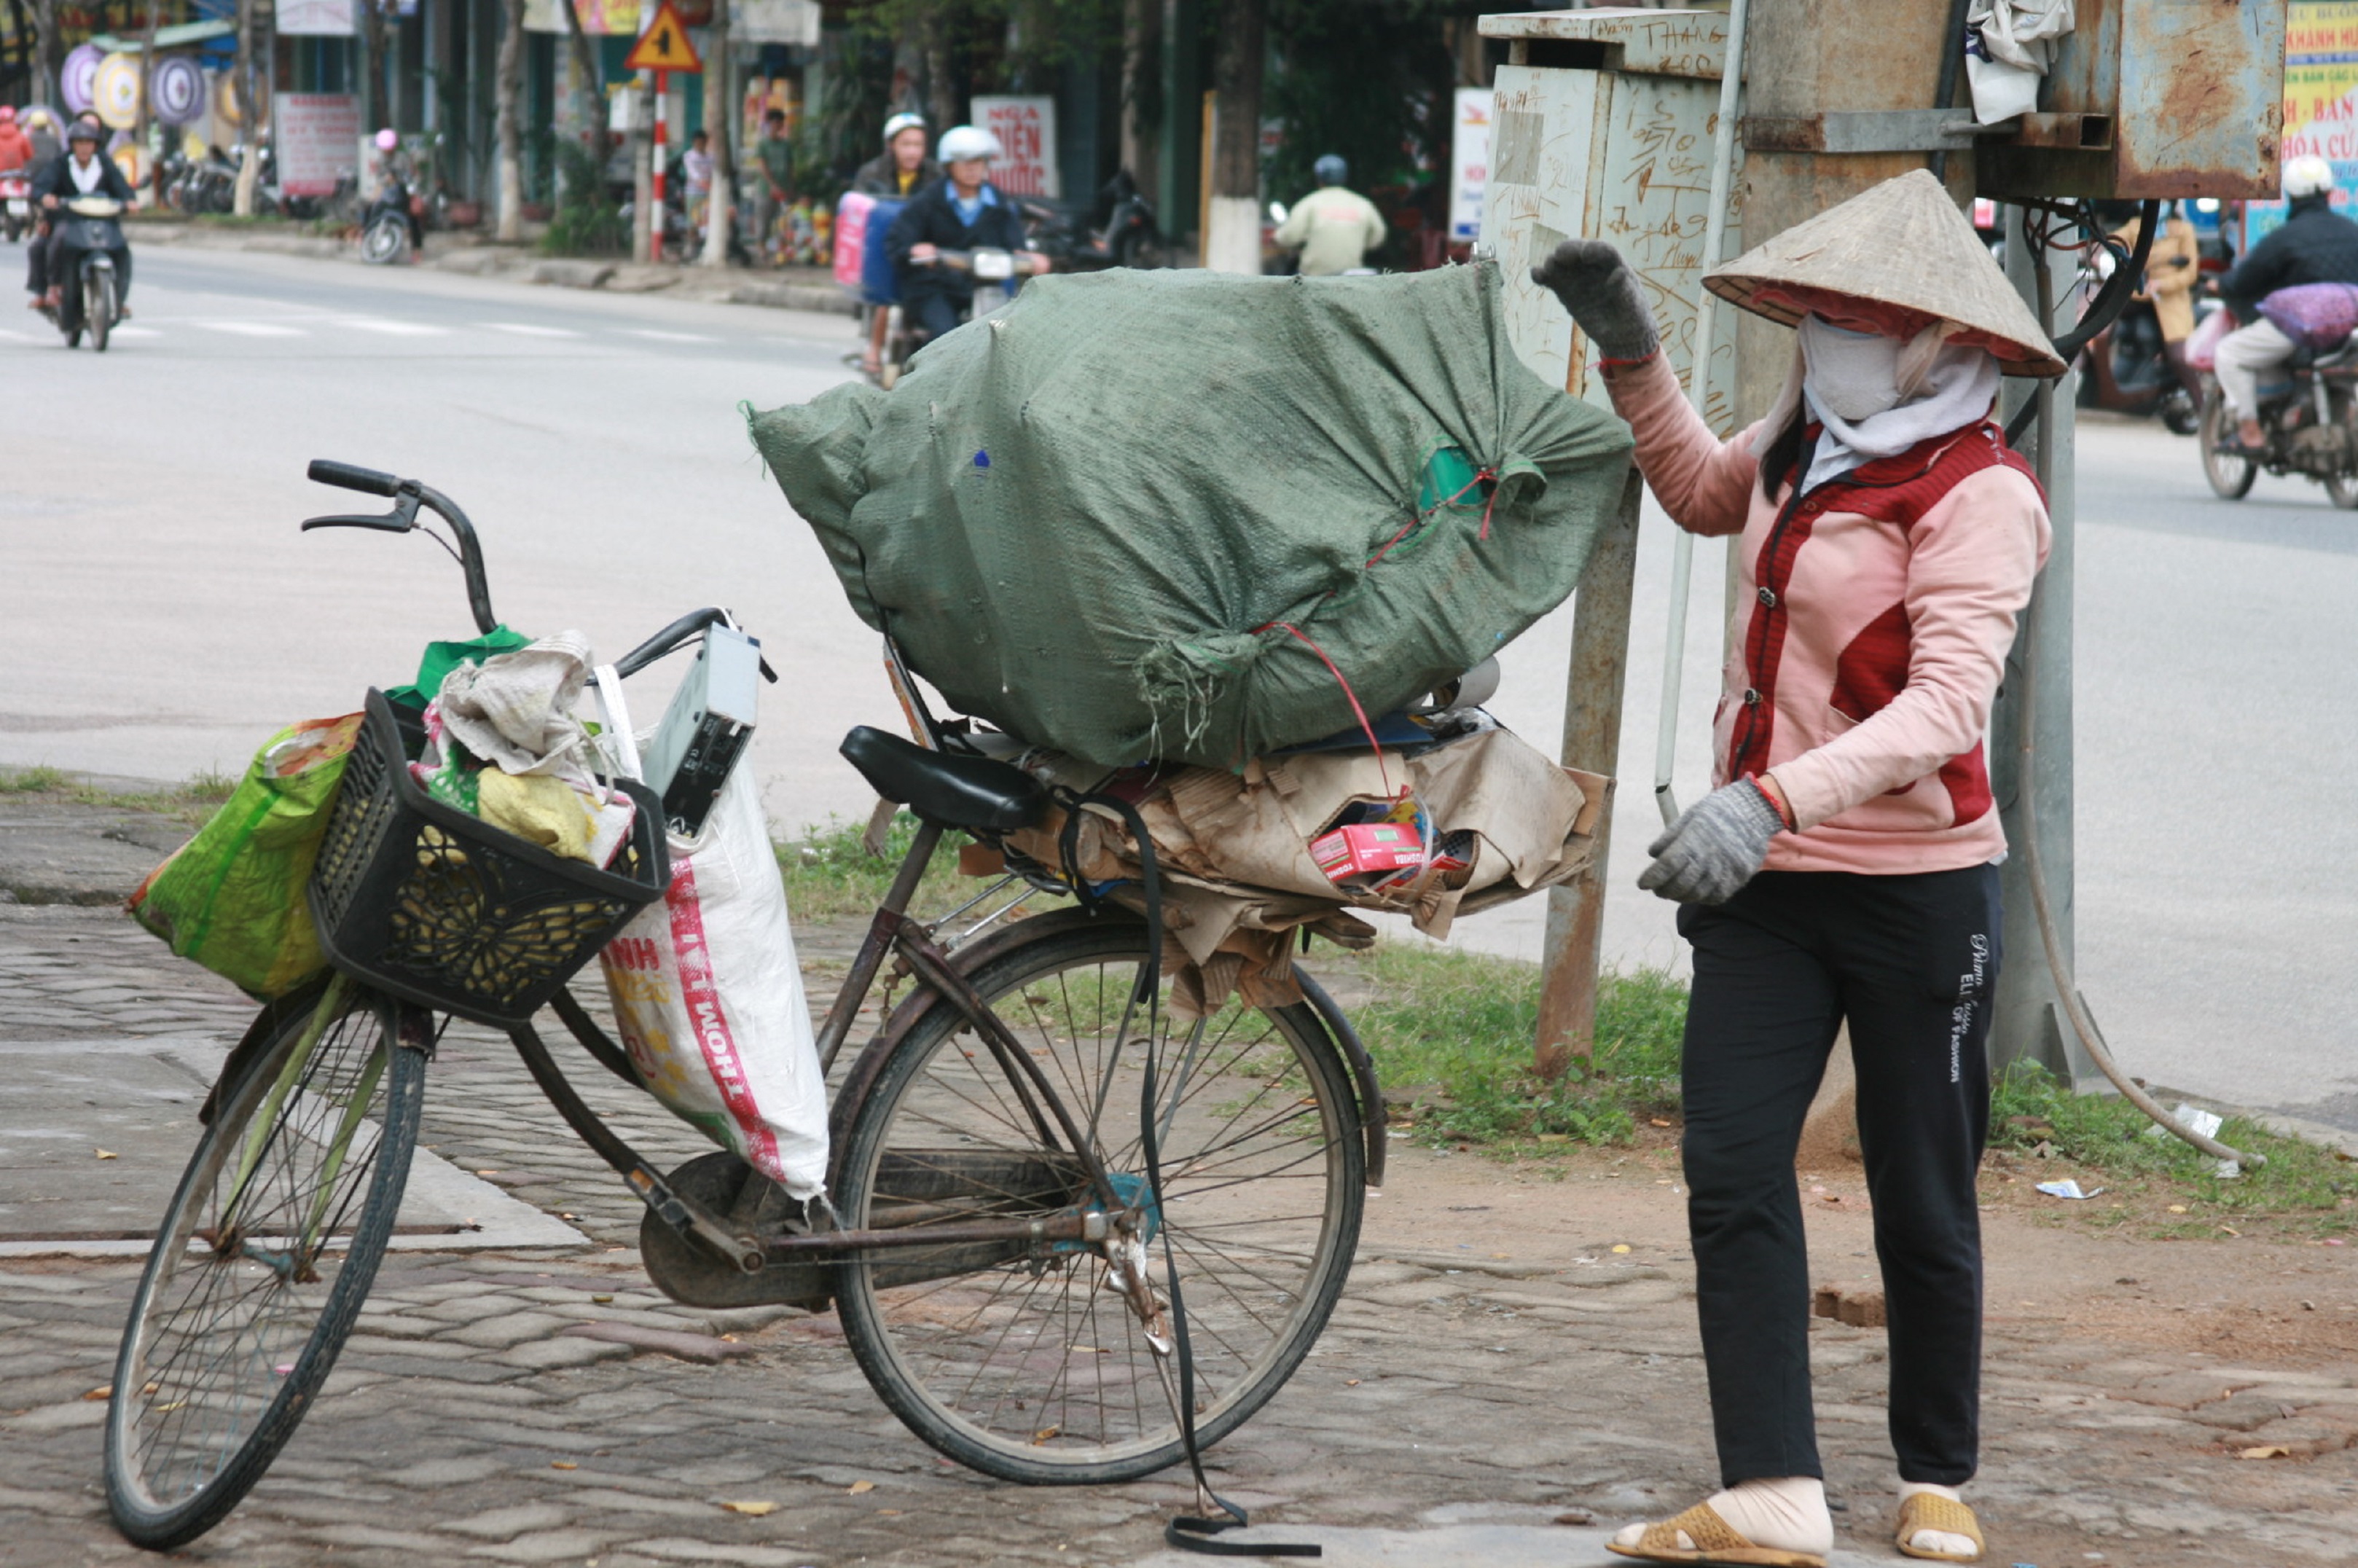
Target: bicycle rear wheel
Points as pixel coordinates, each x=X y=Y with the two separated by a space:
x=1020 y=1358
x=261 y=1262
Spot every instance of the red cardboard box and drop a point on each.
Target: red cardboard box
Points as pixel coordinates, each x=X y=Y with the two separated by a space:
x=1367 y=847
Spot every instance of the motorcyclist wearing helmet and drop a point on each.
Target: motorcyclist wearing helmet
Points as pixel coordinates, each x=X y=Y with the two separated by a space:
x=901 y=169
x=83 y=171
x=2313 y=244
x=1334 y=227
x=15 y=146
x=963 y=211
x=904 y=167
x=393 y=169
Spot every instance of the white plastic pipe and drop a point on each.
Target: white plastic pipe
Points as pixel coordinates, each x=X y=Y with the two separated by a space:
x=1715 y=237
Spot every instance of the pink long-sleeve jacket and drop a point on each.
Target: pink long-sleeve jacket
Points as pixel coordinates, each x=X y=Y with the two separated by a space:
x=1871 y=623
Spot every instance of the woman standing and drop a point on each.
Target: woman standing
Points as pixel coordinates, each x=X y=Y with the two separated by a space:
x=1845 y=868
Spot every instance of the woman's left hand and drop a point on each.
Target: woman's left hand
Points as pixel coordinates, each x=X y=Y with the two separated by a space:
x=1715 y=846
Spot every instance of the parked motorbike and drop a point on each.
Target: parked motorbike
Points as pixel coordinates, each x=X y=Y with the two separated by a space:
x=1125 y=236
x=2308 y=419
x=90 y=298
x=385 y=224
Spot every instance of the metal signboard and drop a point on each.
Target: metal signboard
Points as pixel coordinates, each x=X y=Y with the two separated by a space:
x=1621 y=155
x=663 y=45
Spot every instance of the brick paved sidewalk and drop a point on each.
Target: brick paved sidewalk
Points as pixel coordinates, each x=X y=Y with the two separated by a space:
x=1470 y=1389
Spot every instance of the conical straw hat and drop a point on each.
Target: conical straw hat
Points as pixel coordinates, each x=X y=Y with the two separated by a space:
x=1904 y=243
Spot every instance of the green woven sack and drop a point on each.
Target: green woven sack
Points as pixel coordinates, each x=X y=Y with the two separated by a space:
x=232 y=898
x=1186 y=516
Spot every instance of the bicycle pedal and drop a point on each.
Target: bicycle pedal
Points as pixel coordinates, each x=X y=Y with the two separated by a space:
x=692 y=1276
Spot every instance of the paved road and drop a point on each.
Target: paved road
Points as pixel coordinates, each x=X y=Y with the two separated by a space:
x=1513 y=1343
x=160 y=614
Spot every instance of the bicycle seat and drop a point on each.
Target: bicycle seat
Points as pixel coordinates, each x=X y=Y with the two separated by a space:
x=948 y=791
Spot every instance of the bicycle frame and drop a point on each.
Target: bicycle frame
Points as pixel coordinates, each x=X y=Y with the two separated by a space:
x=891 y=932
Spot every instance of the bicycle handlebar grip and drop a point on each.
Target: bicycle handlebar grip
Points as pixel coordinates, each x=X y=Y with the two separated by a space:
x=351 y=476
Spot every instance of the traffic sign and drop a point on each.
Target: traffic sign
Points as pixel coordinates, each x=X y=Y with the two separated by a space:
x=663 y=45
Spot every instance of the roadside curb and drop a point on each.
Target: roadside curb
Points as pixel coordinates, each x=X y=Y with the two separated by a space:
x=724 y=285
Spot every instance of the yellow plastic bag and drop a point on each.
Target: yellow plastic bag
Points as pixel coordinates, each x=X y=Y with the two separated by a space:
x=232 y=898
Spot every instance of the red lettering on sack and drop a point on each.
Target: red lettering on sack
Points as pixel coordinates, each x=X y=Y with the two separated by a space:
x=701 y=995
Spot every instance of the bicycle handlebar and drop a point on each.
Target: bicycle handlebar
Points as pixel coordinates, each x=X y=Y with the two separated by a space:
x=408 y=496
x=351 y=476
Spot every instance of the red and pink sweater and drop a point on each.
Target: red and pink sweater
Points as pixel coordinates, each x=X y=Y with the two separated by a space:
x=1873 y=618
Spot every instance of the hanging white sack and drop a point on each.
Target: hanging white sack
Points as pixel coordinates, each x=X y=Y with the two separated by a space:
x=2009 y=45
x=709 y=999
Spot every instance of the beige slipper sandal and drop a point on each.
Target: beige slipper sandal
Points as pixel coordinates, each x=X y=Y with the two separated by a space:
x=1716 y=1541
x=1930 y=1511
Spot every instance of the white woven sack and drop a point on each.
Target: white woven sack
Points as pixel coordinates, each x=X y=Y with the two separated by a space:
x=709 y=999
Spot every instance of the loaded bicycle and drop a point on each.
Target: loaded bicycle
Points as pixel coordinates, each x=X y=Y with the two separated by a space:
x=1030 y=1161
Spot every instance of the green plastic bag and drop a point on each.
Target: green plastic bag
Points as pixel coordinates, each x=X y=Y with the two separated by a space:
x=233 y=897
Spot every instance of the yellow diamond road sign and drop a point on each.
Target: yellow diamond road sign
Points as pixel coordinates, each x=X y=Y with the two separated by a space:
x=663 y=45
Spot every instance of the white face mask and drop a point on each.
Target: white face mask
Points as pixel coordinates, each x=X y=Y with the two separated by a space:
x=1852 y=375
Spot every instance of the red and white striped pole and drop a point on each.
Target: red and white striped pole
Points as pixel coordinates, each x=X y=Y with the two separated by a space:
x=663 y=136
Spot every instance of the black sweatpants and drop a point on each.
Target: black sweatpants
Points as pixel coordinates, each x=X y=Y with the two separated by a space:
x=1911 y=963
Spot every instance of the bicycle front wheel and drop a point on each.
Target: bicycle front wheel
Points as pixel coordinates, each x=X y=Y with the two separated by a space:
x=262 y=1263
x=1026 y=1360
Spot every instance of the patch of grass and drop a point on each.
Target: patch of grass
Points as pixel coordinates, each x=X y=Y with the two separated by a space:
x=2030 y=1109
x=191 y=801
x=831 y=876
x=1457 y=1028
x=34 y=781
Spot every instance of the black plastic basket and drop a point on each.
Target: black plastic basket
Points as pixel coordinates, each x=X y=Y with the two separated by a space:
x=431 y=905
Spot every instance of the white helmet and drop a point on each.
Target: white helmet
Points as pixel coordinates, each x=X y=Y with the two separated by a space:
x=2308 y=175
x=962 y=142
x=900 y=123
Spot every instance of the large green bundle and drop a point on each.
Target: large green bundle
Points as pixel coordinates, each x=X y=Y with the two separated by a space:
x=1092 y=519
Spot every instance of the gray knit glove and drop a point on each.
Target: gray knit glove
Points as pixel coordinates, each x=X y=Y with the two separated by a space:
x=1603 y=296
x=1715 y=847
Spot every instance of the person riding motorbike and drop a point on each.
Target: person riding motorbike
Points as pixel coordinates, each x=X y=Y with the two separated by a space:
x=15 y=146
x=963 y=211
x=1334 y=227
x=2173 y=267
x=896 y=174
x=2313 y=244
x=393 y=169
x=901 y=169
x=83 y=171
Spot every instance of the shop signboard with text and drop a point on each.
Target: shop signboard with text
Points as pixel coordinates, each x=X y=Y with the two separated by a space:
x=317 y=136
x=1026 y=129
x=1469 y=162
x=2320 y=101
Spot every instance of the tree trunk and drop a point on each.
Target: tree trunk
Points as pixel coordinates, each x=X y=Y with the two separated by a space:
x=941 y=95
x=508 y=90
x=147 y=92
x=377 y=100
x=47 y=60
x=247 y=85
x=1142 y=92
x=720 y=116
x=1233 y=244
